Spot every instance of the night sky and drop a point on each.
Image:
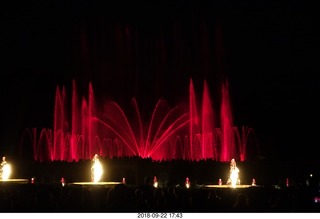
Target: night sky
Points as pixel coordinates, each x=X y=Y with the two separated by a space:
x=149 y=49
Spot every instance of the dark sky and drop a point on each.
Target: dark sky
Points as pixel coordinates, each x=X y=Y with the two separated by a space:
x=149 y=49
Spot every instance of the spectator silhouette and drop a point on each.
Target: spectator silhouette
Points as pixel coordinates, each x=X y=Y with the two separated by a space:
x=160 y=201
x=74 y=200
x=148 y=190
x=172 y=201
x=242 y=203
x=5 y=205
x=44 y=200
x=89 y=201
x=184 y=201
x=142 y=204
x=213 y=202
x=119 y=201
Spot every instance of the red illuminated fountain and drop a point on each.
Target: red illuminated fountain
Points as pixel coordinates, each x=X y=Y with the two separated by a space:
x=81 y=129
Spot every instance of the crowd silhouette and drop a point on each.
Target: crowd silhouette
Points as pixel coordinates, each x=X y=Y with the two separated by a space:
x=147 y=198
x=137 y=193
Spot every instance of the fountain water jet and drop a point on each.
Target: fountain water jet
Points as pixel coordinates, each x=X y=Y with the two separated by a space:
x=171 y=133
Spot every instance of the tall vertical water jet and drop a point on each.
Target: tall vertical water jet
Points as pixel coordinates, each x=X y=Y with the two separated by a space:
x=74 y=122
x=208 y=125
x=227 y=147
x=194 y=122
x=59 y=124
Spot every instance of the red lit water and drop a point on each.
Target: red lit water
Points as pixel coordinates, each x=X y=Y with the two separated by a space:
x=198 y=132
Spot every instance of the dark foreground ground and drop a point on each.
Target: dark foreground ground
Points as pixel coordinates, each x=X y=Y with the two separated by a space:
x=15 y=197
x=281 y=186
